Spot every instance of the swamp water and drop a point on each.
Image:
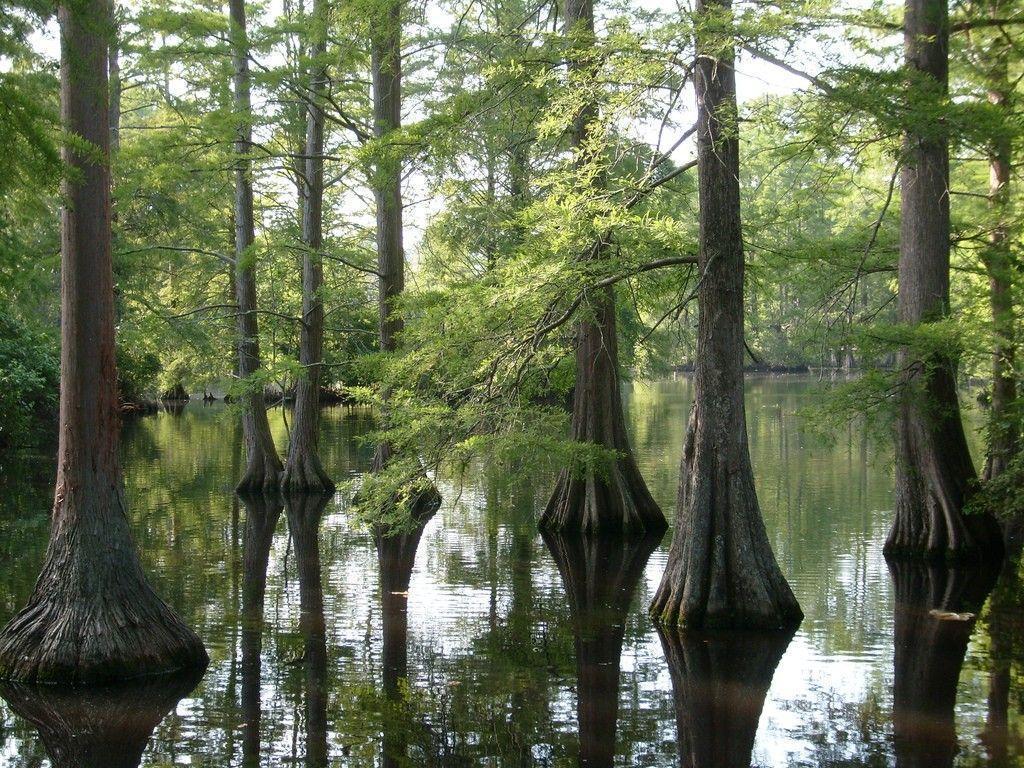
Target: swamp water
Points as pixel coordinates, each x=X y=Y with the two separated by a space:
x=475 y=641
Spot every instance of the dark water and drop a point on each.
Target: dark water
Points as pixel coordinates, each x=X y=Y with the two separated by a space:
x=474 y=641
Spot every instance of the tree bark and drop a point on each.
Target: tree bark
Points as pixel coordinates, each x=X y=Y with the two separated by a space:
x=721 y=570
x=934 y=471
x=719 y=683
x=304 y=514
x=612 y=497
x=92 y=616
x=386 y=66
x=262 y=512
x=303 y=470
x=108 y=726
x=263 y=467
x=600 y=575
x=934 y=620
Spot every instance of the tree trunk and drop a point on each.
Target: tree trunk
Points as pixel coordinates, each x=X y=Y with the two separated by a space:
x=262 y=512
x=92 y=616
x=931 y=630
x=108 y=726
x=1004 y=424
x=303 y=470
x=386 y=66
x=304 y=514
x=600 y=574
x=934 y=472
x=719 y=684
x=263 y=467
x=613 y=497
x=721 y=571
x=114 y=73
x=396 y=556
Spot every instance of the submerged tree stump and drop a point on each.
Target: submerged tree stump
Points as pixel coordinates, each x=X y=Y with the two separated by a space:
x=719 y=683
x=600 y=575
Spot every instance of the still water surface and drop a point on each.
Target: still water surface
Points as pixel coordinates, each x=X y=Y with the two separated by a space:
x=475 y=641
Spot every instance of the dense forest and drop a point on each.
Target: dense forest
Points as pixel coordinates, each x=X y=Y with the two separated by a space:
x=479 y=218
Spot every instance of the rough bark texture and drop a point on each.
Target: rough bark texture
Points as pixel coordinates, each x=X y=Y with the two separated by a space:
x=303 y=470
x=612 y=498
x=721 y=570
x=934 y=472
x=92 y=616
x=108 y=726
x=262 y=512
x=600 y=574
x=263 y=467
x=719 y=683
x=929 y=651
x=304 y=514
x=396 y=556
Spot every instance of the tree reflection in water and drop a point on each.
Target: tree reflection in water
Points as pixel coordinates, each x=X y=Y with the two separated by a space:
x=396 y=556
x=108 y=727
x=304 y=511
x=261 y=515
x=719 y=683
x=935 y=608
x=600 y=574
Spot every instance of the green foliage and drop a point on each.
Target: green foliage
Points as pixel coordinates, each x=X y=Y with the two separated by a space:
x=29 y=382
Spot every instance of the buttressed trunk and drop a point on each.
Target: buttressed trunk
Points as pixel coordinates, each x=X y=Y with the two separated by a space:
x=92 y=616
x=612 y=497
x=721 y=571
x=263 y=467
x=934 y=471
x=303 y=470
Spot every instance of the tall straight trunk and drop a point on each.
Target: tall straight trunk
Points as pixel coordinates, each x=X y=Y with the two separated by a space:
x=263 y=467
x=721 y=570
x=934 y=471
x=611 y=498
x=935 y=609
x=305 y=512
x=303 y=470
x=600 y=575
x=93 y=615
x=386 y=66
x=114 y=73
x=719 y=683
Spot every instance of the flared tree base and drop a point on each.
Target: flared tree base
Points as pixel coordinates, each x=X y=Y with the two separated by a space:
x=933 y=529
x=122 y=633
x=262 y=474
x=721 y=571
x=618 y=503
x=305 y=473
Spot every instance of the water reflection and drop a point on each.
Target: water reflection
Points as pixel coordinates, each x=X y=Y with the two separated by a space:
x=109 y=726
x=935 y=614
x=261 y=515
x=396 y=556
x=304 y=513
x=600 y=574
x=719 y=684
